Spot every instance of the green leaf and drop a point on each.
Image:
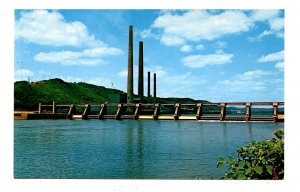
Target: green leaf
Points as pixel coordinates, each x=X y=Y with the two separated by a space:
x=258 y=170
x=229 y=159
x=269 y=169
x=242 y=164
x=220 y=163
x=229 y=175
x=248 y=171
x=279 y=133
x=242 y=177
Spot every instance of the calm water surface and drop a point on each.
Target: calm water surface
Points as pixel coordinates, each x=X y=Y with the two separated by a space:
x=129 y=149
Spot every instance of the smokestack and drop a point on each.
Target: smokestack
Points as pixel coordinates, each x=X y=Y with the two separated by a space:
x=130 y=68
x=141 y=72
x=148 y=84
x=154 y=87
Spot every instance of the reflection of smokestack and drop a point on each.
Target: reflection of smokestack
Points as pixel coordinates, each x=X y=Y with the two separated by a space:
x=148 y=84
x=141 y=72
x=154 y=87
x=130 y=68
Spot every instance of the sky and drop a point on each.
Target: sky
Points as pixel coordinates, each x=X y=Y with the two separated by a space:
x=215 y=55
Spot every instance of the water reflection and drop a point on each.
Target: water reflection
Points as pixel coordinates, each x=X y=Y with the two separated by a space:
x=249 y=129
x=140 y=149
x=135 y=150
x=224 y=136
x=130 y=150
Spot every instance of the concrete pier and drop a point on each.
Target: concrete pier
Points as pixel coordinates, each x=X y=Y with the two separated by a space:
x=199 y=111
x=119 y=112
x=248 y=111
x=177 y=111
x=223 y=111
x=275 y=111
x=156 y=111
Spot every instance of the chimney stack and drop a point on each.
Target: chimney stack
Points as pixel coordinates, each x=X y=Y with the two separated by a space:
x=130 y=68
x=154 y=87
x=141 y=72
x=148 y=84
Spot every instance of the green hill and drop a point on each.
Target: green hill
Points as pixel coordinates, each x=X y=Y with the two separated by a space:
x=29 y=95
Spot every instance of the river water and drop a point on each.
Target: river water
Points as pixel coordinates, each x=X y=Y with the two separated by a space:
x=127 y=149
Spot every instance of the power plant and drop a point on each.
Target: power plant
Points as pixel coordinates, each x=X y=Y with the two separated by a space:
x=130 y=92
x=137 y=108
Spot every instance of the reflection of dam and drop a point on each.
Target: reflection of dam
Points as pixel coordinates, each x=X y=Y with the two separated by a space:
x=233 y=111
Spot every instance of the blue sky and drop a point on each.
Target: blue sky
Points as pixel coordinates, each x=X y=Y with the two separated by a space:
x=216 y=55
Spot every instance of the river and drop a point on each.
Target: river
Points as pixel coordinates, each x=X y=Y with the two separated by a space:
x=127 y=149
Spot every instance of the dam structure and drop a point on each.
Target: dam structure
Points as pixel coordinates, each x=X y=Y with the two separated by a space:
x=231 y=111
x=147 y=108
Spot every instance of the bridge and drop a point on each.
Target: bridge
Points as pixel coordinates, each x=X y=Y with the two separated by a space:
x=225 y=111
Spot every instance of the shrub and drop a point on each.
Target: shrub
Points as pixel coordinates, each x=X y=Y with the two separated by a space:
x=258 y=160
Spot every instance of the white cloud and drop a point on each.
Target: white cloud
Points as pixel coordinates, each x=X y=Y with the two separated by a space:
x=23 y=74
x=280 y=66
x=170 y=40
x=250 y=75
x=186 y=48
x=198 y=61
x=45 y=27
x=159 y=70
x=50 y=28
x=196 y=25
x=278 y=56
x=86 y=57
x=147 y=33
x=200 y=47
x=261 y=35
x=102 y=51
x=264 y=14
x=242 y=86
x=184 y=84
x=247 y=82
x=123 y=73
x=277 y=24
x=177 y=28
x=221 y=44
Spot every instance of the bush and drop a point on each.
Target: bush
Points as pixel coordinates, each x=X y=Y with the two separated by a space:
x=258 y=160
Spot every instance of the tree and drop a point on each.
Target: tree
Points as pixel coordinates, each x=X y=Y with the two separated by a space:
x=258 y=160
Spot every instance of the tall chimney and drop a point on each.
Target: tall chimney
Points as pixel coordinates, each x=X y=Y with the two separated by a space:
x=148 y=84
x=154 y=87
x=130 y=68
x=141 y=72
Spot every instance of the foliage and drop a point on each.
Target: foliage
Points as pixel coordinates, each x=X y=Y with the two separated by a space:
x=28 y=95
x=258 y=160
